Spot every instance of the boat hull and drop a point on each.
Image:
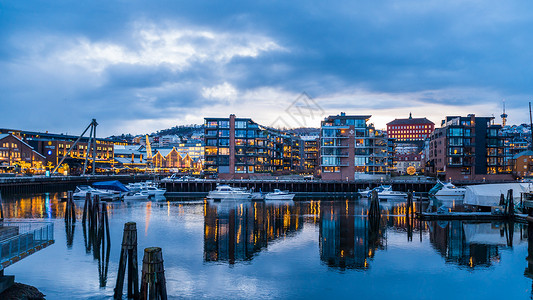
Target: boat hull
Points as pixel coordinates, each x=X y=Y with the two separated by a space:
x=279 y=197
x=229 y=196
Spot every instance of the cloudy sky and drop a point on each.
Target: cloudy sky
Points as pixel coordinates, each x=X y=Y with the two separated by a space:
x=141 y=66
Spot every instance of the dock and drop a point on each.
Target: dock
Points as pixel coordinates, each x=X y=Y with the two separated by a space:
x=302 y=188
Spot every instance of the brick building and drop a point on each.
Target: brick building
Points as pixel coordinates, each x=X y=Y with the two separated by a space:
x=411 y=129
x=523 y=164
x=13 y=151
x=467 y=148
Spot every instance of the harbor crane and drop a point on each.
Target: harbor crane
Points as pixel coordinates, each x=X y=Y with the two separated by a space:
x=92 y=144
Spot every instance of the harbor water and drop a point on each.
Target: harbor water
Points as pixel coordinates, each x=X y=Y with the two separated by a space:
x=299 y=250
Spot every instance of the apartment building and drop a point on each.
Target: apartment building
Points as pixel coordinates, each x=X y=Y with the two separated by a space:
x=240 y=148
x=350 y=148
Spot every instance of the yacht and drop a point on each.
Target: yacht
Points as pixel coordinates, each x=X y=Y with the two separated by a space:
x=385 y=192
x=153 y=191
x=279 y=195
x=446 y=189
x=226 y=192
x=82 y=190
x=141 y=195
x=389 y=194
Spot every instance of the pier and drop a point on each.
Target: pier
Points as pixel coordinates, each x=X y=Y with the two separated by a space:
x=302 y=188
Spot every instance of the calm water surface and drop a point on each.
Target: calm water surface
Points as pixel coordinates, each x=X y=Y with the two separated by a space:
x=308 y=249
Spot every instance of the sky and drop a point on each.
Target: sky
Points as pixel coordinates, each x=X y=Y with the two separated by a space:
x=142 y=66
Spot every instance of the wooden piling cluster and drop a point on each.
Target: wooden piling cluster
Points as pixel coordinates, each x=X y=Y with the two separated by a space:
x=96 y=233
x=153 y=283
x=128 y=257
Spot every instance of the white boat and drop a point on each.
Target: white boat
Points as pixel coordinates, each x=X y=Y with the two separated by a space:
x=82 y=190
x=135 y=186
x=226 y=192
x=142 y=195
x=364 y=193
x=389 y=194
x=279 y=195
x=385 y=192
x=177 y=178
x=446 y=189
x=153 y=191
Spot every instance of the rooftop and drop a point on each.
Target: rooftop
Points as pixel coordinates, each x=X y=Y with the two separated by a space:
x=410 y=121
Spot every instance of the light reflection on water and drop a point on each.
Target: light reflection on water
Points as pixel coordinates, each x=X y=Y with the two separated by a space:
x=283 y=250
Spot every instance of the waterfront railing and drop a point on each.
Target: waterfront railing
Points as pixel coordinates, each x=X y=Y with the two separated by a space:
x=31 y=237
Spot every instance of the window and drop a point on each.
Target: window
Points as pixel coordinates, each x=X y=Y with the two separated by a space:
x=240 y=133
x=240 y=124
x=223 y=151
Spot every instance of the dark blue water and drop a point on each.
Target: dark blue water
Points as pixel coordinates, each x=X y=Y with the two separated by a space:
x=311 y=249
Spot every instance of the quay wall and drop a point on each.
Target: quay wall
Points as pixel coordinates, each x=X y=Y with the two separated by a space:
x=294 y=186
x=25 y=185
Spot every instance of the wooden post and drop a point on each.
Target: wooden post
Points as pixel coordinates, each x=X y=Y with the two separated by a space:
x=72 y=206
x=502 y=199
x=86 y=207
x=374 y=212
x=153 y=285
x=408 y=210
x=510 y=203
x=128 y=256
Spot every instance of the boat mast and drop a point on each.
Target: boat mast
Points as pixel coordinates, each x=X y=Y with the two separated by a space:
x=530 y=127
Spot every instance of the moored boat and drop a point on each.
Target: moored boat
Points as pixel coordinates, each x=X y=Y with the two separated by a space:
x=446 y=189
x=385 y=192
x=279 y=195
x=154 y=191
x=141 y=195
x=81 y=192
x=226 y=192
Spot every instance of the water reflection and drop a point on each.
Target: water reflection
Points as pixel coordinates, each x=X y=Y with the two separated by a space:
x=342 y=239
x=235 y=231
x=474 y=244
x=346 y=240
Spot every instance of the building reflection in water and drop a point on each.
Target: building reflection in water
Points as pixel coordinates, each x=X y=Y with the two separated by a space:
x=347 y=238
x=235 y=231
x=473 y=244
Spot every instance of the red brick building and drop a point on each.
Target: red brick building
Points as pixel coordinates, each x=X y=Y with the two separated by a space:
x=14 y=150
x=410 y=130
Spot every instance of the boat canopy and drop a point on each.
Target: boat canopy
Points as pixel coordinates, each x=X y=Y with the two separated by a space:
x=114 y=185
x=436 y=188
x=489 y=194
